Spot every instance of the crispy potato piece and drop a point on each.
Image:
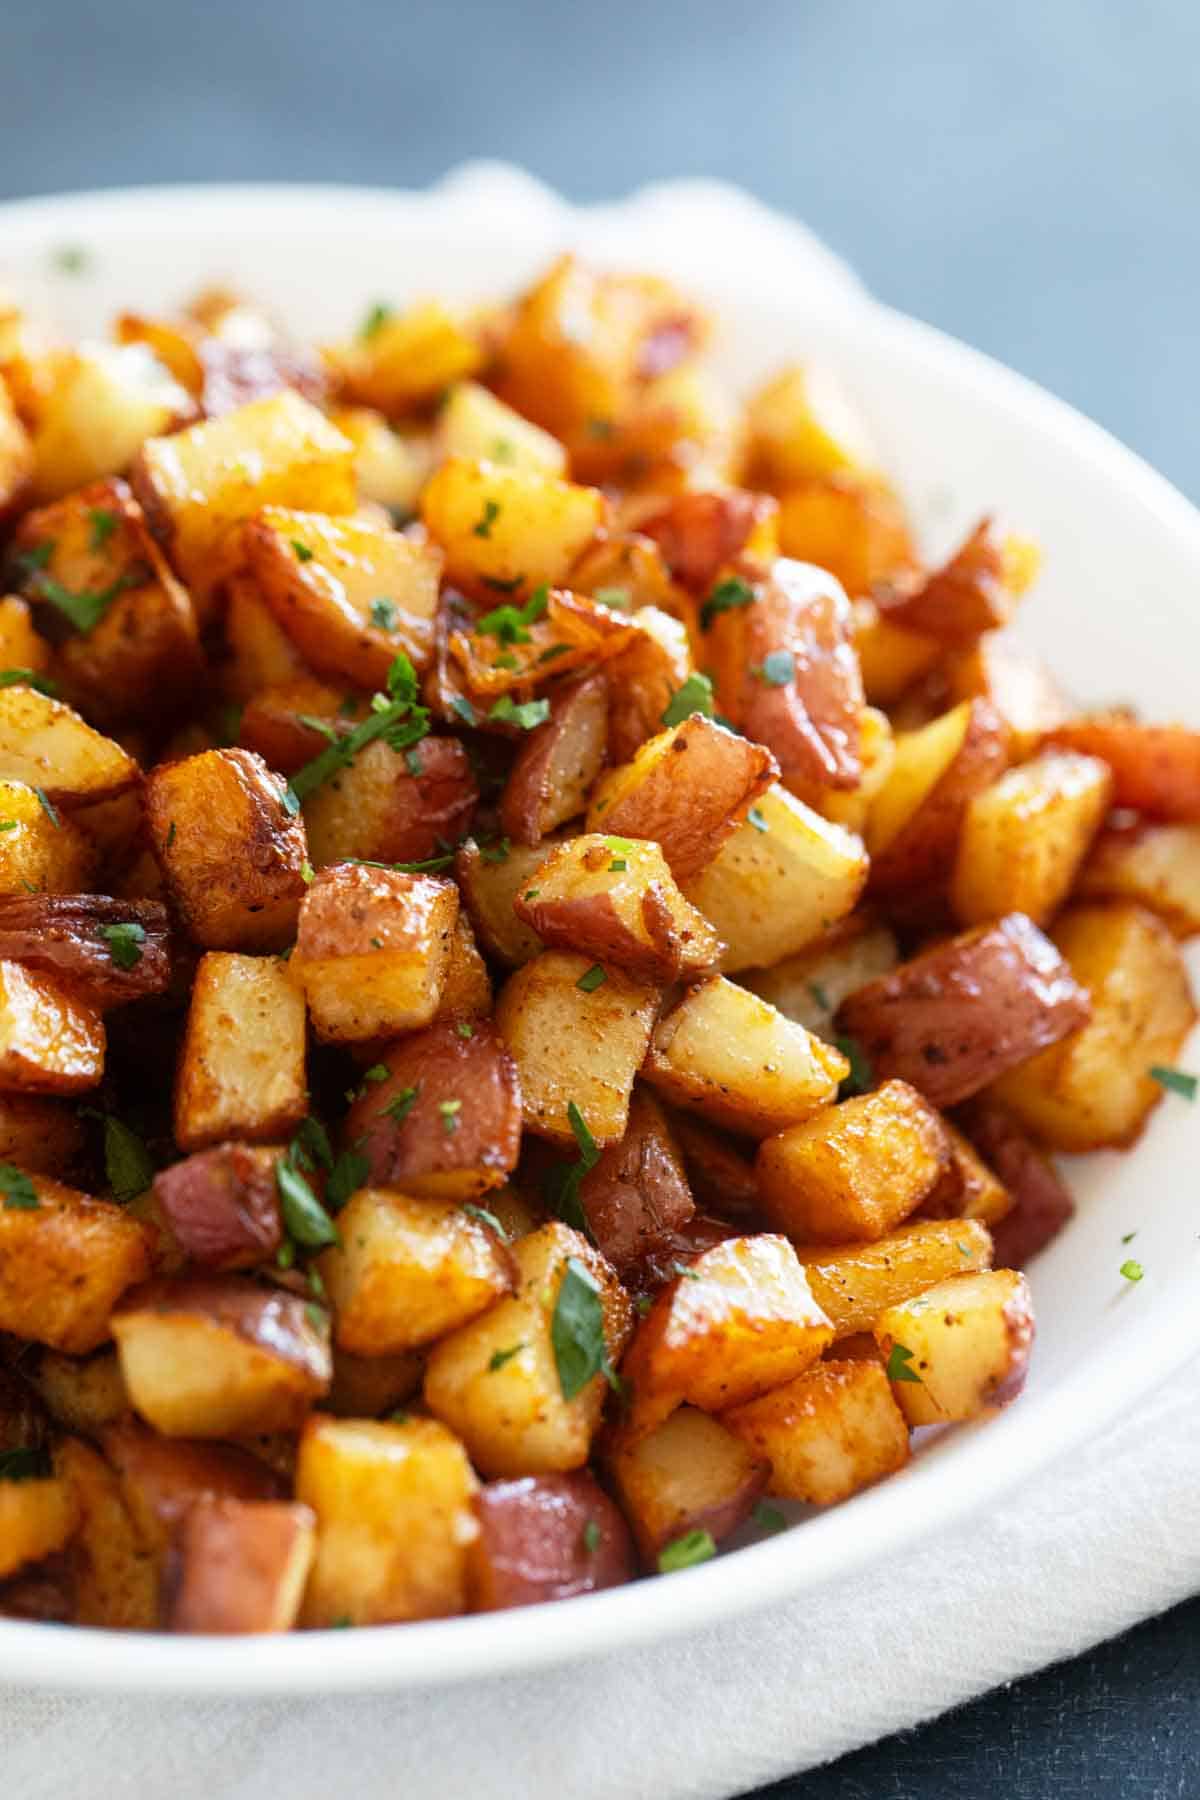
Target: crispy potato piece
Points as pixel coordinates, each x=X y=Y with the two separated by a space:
x=382 y=810
x=43 y=1593
x=222 y=1205
x=781 y=880
x=802 y=424
x=162 y=1477
x=913 y=826
x=569 y=635
x=490 y=881
x=231 y=854
x=50 y=1042
x=241 y=1070
x=41 y=1135
x=394 y=1520
x=856 y=1170
x=36 y=1518
x=741 y=1322
x=637 y=1195
x=968 y=1342
x=79 y=938
x=46 y=745
x=83 y=1394
x=572 y=1043
x=114 y=1569
x=852 y=525
x=689 y=807
x=35 y=853
x=441 y=1116
x=1094 y=1088
x=974 y=592
x=100 y=403
x=1158 y=866
x=199 y=485
x=698 y=533
x=467 y=990
x=408 y=1271
x=372 y=951
x=630 y=570
x=242 y=1566
x=1018 y=684
x=809 y=987
x=546 y=1537
x=359 y=596
x=404 y=360
x=20 y=645
x=219 y=1356
x=854 y=1284
x=642 y=679
x=391 y=469
x=615 y=898
x=1156 y=768
x=500 y=526
x=1024 y=838
x=967 y=1188
x=1041 y=1204
x=851 y=807
x=890 y=657
x=729 y=1055
x=496 y=1381
x=287 y=725
x=721 y=1174
x=474 y=425
x=64 y=1263
x=16 y=454
x=261 y=654
x=689 y=1474
x=367 y=1387
x=234 y=374
x=557 y=763
x=827 y=1434
x=174 y=342
x=956 y=1017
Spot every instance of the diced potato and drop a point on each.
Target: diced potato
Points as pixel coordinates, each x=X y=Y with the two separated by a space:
x=689 y=1474
x=116 y=1576
x=394 y=1520
x=372 y=951
x=174 y=342
x=36 y=1518
x=642 y=679
x=497 y=1382
x=1024 y=838
x=81 y=1393
x=637 y=1196
x=198 y=485
x=219 y=1356
x=65 y=1260
x=103 y=401
x=546 y=1537
x=162 y=1477
x=20 y=645
x=699 y=533
x=854 y=1284
x=46 y=745
x=1156 y=768
x=382 y=810
x=852 y=525
x=73 y=938
x=241 y=1071
x=1041 y=1204
x=391 y=468
x=291 y=723
x=851 y=807
x=723 y=1052
x=476 y=426
x=490 y=880
x=50 y=1041
x=1095 y=1087
x=1158 y=866
x=222 y=1205
x=721 y=1174
x=802 y=424
x=913 y=826
x=784 y=877
x=368 y=1387
x=35 y=852
x=467 y=990
x=501 y=526
x=827 y=1434
x=809 y=987
x=575 y=1044
x=568 y=635
x=557 y=763
x=16 y=454
x=856 y=1170
x=741 y=1321
x=891 y=658
x=42 y=1136
x=687 y=790
x=261 y=654
x=958 y=1347
x=242 y=1566
x=402 y=360
x=1018 y=684
x=973 y=593
x=967 y=1188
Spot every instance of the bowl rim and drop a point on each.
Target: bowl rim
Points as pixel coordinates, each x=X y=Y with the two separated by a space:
x=984 y=1462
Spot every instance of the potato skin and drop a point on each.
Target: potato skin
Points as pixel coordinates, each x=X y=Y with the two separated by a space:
x=534 y=1541
x=960 y=601
x=1042 y=1204
x=222 y=1205
x=62 y=934
x=50 y=1041
x=1156 y=768
x=63 y=1266
x=920 y=854
x=689 y=1474
x=162 y=1477
x=239 y=1566
x=826 y=1435
x=380 y=810
x=637 y=1196
x=557 y=763
x=698 y=532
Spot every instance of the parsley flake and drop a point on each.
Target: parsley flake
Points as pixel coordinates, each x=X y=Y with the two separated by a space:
x=395 y=717
x=103 y=523
x=758 y=819
x=496 y=853
x=525 y=714
x=692 y=1548
x=20 y=1195
x=399 y=1106
x=769 y=1518
x=1176 y=1081
x=510 y=623
x=48 y=807
x=618 y=598
x=383 y=613
x=462 y=706
x=348 y=1174
x=591 y=1537
x=897 y=1365
x=464 y=1028
x=41 y=684
x=377 y=317
x=24 y=1464
x=563 y=1181
x=124 y=942
x=491 y=512
x=127 y=1162
x=498 y=1358
x=304 y=1218
x=695 y=696
x=595 y=977
x=484 y=1217
x=861 y=1075
x=577 y=1331
x=618 y=866
x=449 y=1110
x=1132 y=1270
x=777 y=669
x=728 y=594
x=86 y=609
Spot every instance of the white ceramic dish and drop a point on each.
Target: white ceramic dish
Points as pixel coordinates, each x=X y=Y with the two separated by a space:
x=1115 y=613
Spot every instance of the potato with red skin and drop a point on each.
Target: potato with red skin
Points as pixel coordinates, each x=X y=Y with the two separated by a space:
x=162 y=1477
x=393 y=807
x=698 y=533
x=968 y=1341
x=572 y=635
x=1041 y=1202
x=826 y=1435
x=557 y=763
x=1158 y=866
x=461 y=1133
x=222 y=1205
x=973 y=592
x=489 y=883
x=1156 y=768
x=280 y=721
x=678 y=1248
x=915 y=819
x=720 y=1172
x=64 y=1265
x=240 y=1566
x=643 y=678
x=689 y=1474
x=959 y=1015
x=637 y=1195
x=967 y=1188
x=78 y=937
x=545 y=1537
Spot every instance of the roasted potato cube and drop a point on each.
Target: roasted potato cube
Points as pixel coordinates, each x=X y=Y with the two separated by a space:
x=721 y=1174
x=42 y=1136
x=231 y=854
x=402 y=360
x=957 y=1016
x=242 y=1566
x=689 y=1474
x=1156 y=768
x=856 y=1170
x=967 y=1188
x=781 y=880
x=575 y=1037
x=637 y=1196
x=891 y=658
x=853 y=525
x=198 y=485
x=556 y=765
x=809 y=987
x=65 y=1260
x=802 y=424
x=16 y=454
x=958 y=1347
x=499 y=1382
x=827 y=1434
x=477 y=427
x=974 y=592
x=558 y=634
x=162 y=1477
x=615 y=898
x=851 y=807
x=723 y=1052
x=546 y=1537
x=116 y=1577
x=261 y=654
x=440 y=1116
x=37 y=1516
x=914 y=823
x=1095 y=1088
x=739 y=1322
x=1158 y=866
x=854 y=1284
x=1024 y=838
x=36 y=853
x=1040 y=1202
x=643 y=679
x=407 y=1271
x=490 y=879
x=388 y=807
x=107 y=951
x=50 y=748
x=508 y=528
x=241 y=1071
x=102 y=401
x=81 y=1393
x=1018 y=685
x=50 y=1042
x=372 y=951
x=222 y=1205
x=219 y=1356
x=391 y=469
x=467 y=989
x=698 y=533
x=368 y=1387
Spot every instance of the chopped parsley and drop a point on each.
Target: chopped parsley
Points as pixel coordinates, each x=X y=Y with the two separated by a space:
x=399 y=1106
x=498 y=1358
x=619 y=598
x=377 y=317
x=41 y=684
x=563 y=1181
x=171 y=829
x=1129 y=1237
x=1132 y=1270
x=103 y=524
x=124 y=942
x=525 y=713
x=769 y=1518
x=861 y=1075
x=618 y=866
x=316 y=1315
x=376 y=1072
x=1176 y=1081
x=464 y=1028
x=819 y=995
x=642 y=1305
x=532 y=893
x=591 y=1537
x=24 y=1465
x=692 y=1548
x=758 y=819
x=728 y=594
x=449 y=1110
x=383 y=613
x=685 y=1271
x=85 y=610
x=511 y=623
x=577 y=1331
x=483 y=526
x=484 y=1217
x=305 y=1219
x=897 y=1365
x=349 y=1172
x=595 y=977
x=48 y=807
x=462 y=706
x=395 y=717
x=777 y=669
x=20 y=1195
x=127 y=1162
x=307 y=873
x=8 y=824
x=413 y=763
x=695 y=696
x=70 y=259
x=496 y=853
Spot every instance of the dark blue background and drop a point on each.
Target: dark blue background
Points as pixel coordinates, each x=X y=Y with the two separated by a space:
x=1025 y=176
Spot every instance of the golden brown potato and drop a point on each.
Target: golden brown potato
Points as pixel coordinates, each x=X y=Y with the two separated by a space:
x=242 y=1566
x=36 y=854
x=42 y=1136
x=290 y=723
x=372 y=951
x=723 y=1052
x=1156 y=768
x=851 y=524
x=974 y=592
x=490 y=878
x=636 y=1196
x=107 y=951
x=97 y=405
x=391 y=469
x=698 y=533
x=50 y=1042
x=401 y=360
x=827 y=1434
x=369 y=1387
x=851 y=807
x=689 y=1474
x=914 y=823
x=222 y=1205
x=241 y=1069
x=392 y=807
x=643 y=679
x=1024 y=838
x=231 y=853
x=37 y=1516
x=20 y=645
x=854 y=1171
x=81 y=1393
x=162 y=1477
x=576 y=1039
x=557 y=763
x=476 y=426
x=854 y=1284
x=958 y=1347
x=802 y=424
x=546 y=1537
x=467 y=989
x=261 y=655
x=511 y=649
x=1158 y=866
x=16 y=454
x=967 y=1187
x=114 y=1569
x=891 y=658
x=721 y=1174
x=219 y=1356
x=1096 y=1087
x=65 y=1259
x=1018 y=685
x=956 y=1017
x=1040 y=1202
x=687 y=790
x=508 y=528
x=809 y=987
x=50 y=748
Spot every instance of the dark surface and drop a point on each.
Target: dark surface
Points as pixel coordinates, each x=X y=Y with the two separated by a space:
x=1025 y=176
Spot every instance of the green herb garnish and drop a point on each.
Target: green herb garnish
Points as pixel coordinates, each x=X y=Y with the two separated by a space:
x=20 y=1195
x=395 y=717
x=485 y=1217
x=383 y=613
x=124 y=942
x=695 y=696
x=524 y=714
x=563 y=1181
x=861 y=1075
x=103 y=523
x=24 y=1464
x=577 y=1331
x=399 y=1106
x=897 y=1365
x=511 y=623
x=777 y=669
x=48 y=807
x=1132 y=1270
x=692 y=1548
x=595 y=977
x=728 y=594
x=377 y=317
x=498 y=1358
x=491 y=512
x=127 y=1162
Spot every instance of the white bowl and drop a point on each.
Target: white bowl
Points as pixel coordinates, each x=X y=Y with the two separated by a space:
x=1115 y=612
